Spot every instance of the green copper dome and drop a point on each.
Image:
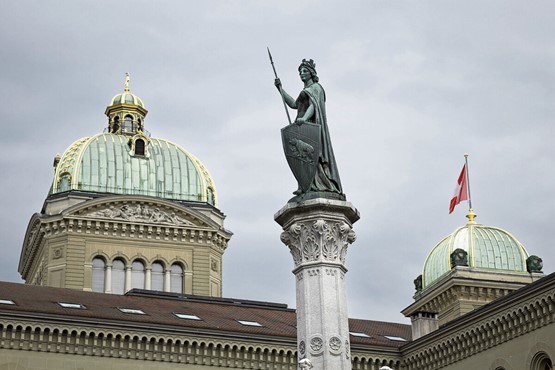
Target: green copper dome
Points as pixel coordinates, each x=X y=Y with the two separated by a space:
x=126 y=98
x=138 y=165
x=488 y=248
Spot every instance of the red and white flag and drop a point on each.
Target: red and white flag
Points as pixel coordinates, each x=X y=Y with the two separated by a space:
x=461 y=191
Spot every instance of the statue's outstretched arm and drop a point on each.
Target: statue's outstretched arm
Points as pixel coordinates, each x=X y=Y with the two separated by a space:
x=286 y=97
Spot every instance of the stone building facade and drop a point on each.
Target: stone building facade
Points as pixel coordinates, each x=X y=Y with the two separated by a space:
x=127 y=210
x=123 y=270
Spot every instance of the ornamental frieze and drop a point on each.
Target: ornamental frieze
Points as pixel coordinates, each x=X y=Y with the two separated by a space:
x=140 y=213
x=318 y=240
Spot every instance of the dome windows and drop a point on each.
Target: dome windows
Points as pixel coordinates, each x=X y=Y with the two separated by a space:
x=115 y=126
x=136 y=275
x=128 y=124
x=139 y=146
x=129 y=107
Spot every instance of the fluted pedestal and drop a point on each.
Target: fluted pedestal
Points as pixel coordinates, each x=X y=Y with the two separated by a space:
x=318 y=233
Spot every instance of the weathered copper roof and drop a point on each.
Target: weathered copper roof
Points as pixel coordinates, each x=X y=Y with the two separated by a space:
x=218 y=316
x=488 y=248
x=102 y=164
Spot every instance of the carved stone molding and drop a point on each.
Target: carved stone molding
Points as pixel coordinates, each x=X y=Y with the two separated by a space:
x=318 y=240
x=140 y=213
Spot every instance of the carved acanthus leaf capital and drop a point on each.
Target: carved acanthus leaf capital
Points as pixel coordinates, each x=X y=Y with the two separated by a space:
x=318 y=240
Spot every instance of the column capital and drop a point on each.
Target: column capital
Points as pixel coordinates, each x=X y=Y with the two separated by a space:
x=318 y=230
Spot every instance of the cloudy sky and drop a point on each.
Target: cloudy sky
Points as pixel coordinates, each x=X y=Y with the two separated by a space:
x=411 y=86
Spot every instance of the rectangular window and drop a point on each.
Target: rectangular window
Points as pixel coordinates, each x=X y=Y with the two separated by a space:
x=359 y=334
x=249 y=323
x=134 y=311
x=187 y=316
x=394 y=338
x=72 y=305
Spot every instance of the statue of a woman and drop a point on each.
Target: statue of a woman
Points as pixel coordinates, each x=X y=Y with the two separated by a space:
x=311 y=107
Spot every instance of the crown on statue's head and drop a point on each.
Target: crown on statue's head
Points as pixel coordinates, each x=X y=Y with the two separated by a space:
x=309 y=63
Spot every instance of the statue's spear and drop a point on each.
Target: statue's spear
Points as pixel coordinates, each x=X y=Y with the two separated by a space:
x=275 y=73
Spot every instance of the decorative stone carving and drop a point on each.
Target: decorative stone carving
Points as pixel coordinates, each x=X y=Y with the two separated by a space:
x=347 y=350
x=335 y=344
x=140 y=213
x=305 y=364
x=316 y=344
x=57 y=253
x=214 y=265
x=318 y=240
x=302 y=348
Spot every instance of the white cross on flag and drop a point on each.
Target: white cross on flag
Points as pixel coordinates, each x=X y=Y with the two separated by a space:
x=461 y=190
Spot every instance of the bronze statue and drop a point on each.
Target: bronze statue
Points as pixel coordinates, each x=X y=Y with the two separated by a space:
x=308 y=149
x=534 y=264
x=459 y=257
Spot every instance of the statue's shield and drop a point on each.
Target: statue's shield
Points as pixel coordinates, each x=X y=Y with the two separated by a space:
x=301 y=144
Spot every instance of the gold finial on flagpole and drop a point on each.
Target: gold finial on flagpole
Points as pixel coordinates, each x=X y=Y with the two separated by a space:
x=471 y=216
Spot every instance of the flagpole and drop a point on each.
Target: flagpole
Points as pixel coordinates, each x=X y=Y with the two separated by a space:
x=467 y=181
x=471 y=215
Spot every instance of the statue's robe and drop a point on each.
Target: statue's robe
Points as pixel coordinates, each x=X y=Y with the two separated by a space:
x=327 y=175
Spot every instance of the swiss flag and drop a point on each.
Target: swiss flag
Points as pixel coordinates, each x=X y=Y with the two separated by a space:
x=461 y=191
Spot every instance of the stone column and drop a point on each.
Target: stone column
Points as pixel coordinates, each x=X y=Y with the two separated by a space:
x=148 y=278
x=108 y=281
x=167 y=280
x=127 y=279
x=318 y=232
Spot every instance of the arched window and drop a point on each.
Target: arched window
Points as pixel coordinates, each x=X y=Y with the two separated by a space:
x=98 y=274
x=137 y=275
x=128 y=124
x=542 y=361
x=139 y=147
x=157 y=277
x=115 y=126
x=176 y=279
x=118 y=277
x=546 y=364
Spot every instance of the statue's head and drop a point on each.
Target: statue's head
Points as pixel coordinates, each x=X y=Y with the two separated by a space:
x=311 y=67
x=305 y=364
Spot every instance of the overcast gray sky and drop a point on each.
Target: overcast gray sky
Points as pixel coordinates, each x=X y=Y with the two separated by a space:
x=411 y=86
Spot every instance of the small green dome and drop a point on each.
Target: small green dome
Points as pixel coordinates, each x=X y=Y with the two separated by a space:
x=488 y=248
x=108 y=163
x=126 y=98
